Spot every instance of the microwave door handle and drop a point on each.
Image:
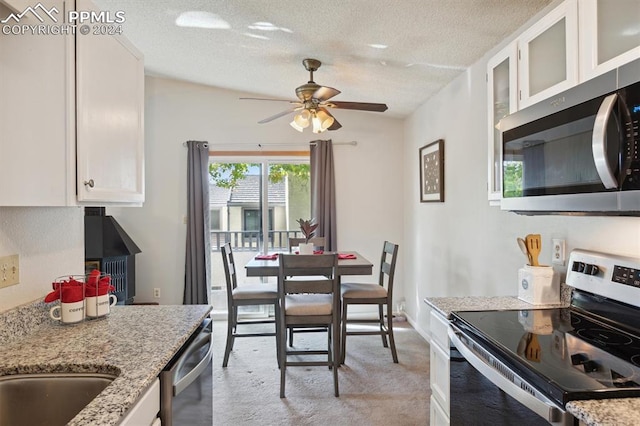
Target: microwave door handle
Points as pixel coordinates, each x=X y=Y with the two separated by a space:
x=599 y=142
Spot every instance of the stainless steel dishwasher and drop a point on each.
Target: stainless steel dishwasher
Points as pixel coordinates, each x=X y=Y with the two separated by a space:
x=186 y=389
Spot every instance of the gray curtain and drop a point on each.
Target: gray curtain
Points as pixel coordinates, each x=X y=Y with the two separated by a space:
x=323 y=192
x=197 y=271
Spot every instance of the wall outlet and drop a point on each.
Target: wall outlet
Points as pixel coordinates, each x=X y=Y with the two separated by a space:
x=156 y=292
x=557 y=251
x=9 y=270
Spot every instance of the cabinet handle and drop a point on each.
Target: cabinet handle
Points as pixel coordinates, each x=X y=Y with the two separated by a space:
x=89 y=183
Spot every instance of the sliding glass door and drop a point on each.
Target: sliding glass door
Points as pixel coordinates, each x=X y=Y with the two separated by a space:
x=254 y=206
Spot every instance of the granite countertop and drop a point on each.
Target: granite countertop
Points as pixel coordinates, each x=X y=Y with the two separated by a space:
x=446 y=305
x=597 y=412
x=133 y=342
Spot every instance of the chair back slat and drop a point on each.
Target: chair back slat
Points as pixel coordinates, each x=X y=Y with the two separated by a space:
x=229 y=267
x=321 y=267
x=388 y=266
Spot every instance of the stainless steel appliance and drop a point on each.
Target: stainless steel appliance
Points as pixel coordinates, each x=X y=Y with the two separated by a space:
x=544 y=358
x=186 y=388
x=578 y=152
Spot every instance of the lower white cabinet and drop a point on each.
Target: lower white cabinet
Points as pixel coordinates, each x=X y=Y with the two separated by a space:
x=145 y=411
x=439 y=370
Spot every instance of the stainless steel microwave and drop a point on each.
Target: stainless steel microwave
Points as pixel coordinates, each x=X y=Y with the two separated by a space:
x=577 y=153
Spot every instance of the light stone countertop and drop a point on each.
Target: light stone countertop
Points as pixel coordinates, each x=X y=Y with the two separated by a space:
x=597 y=412
x=446 y=305
x=133 y=342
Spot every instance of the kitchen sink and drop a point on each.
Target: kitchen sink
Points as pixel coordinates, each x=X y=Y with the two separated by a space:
x=47 y=398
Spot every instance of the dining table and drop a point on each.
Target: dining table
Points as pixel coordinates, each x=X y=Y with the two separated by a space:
x=349 y=263
x=358 y=265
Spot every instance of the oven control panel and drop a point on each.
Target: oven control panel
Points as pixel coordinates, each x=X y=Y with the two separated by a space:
x=613 y=276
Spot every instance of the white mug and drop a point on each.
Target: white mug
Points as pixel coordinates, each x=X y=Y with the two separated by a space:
x=98 y=306
x=68 y=313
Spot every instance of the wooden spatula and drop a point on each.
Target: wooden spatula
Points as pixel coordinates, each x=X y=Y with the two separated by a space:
x=534 y=245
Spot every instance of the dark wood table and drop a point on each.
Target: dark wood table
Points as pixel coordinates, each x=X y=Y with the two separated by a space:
x=269 y=268
x=358 y=266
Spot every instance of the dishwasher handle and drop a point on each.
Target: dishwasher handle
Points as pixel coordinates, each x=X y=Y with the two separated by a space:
x=202 y=339
x=539 y=404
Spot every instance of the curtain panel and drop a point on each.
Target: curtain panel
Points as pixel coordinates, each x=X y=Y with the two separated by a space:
x=197 y=280
x=323 y=192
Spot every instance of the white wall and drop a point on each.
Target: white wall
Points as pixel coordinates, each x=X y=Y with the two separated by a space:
x=368 y=176
x=463 y=246
x=50 y=243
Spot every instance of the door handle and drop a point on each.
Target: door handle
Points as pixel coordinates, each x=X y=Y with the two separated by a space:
x=599 y=142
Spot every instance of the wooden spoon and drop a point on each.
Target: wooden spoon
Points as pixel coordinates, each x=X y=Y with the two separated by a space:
x=534 y=245
x=523 y=247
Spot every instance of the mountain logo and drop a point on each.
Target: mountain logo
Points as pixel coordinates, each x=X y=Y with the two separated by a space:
x=36 y=11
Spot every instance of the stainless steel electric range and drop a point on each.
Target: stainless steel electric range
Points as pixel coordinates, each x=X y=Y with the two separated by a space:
x=543 y=358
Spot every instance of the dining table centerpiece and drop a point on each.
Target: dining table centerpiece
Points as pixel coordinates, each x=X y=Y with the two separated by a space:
x=308 y=228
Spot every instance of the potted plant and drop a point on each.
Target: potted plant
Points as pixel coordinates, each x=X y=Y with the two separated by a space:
x=308 y=229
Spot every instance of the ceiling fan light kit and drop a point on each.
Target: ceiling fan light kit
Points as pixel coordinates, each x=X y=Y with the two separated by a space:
x=314 y=101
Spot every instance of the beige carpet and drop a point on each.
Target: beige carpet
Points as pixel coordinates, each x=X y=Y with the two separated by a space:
x=373 y=390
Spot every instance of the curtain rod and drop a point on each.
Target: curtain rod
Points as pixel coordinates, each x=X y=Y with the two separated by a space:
x=263 y=145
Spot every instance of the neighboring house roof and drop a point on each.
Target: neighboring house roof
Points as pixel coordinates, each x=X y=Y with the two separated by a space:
x=247 y=193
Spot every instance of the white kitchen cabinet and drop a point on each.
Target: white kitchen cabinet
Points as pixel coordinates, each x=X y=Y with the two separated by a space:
x=548 y=55
x=609 y=35
x=46 y=154
x=145 y=411
x=110 y=117
x=502 y=95
x=439 y=370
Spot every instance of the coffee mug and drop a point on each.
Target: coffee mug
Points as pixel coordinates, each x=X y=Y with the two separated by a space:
x=98 y=306
x=68 y=313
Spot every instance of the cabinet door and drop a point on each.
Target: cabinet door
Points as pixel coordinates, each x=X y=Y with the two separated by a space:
x=609 y=35
x=502 y=81
x=37 y=129
x=437 y=415
x=110 y=111
x=548 y=55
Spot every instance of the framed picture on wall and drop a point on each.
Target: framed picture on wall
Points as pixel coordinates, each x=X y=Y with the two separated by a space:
x=432 y=172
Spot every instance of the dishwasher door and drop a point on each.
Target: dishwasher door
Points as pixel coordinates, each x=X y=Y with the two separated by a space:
x=186 y=384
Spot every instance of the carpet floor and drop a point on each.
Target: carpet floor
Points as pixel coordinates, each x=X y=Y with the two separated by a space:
x=373 y=390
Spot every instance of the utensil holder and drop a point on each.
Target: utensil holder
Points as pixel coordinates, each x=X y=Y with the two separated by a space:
x=538 y=285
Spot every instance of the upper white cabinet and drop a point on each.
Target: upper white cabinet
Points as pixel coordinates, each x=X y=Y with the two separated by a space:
x=502 y=94
x=609 y=35
x=548 y=55
x=110 y=116
x=71 y=111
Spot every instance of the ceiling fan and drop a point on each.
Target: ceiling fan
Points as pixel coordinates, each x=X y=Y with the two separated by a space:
x=313 y=104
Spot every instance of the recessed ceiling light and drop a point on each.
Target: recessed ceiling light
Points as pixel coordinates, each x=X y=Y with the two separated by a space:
x=261 y=37
x=199 y=19
x=267 y=26
x=378 y=46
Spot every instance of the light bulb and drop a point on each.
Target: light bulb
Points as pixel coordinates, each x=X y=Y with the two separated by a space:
x=325 y=120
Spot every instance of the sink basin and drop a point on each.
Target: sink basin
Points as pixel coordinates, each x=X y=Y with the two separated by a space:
x=47 y=399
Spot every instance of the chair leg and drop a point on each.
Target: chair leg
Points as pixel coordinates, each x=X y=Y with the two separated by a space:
x=343 y=334
x=283 y=353
x=231 y=325
x=392 y=340
x=278 y=331
x=382 y=332
x=335 y=354
x=291 y=337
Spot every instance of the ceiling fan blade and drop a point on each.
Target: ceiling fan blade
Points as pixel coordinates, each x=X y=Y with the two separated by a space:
x=325 y=93
x=363 y=106
x=335 y=125
x=264 y=99
x=278 y=115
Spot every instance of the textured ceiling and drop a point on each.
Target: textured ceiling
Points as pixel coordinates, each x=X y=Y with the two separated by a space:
x=429 y=43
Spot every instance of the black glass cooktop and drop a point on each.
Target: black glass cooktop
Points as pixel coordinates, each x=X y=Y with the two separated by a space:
x=564 y=353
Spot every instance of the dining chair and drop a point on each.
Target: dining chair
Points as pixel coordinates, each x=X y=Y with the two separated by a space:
x=316 y=241
x=372 y=294
x=309 y=298
x=245 y=295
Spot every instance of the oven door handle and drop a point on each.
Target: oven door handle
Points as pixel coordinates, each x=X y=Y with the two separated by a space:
x=599 y=142
x=540 y=405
